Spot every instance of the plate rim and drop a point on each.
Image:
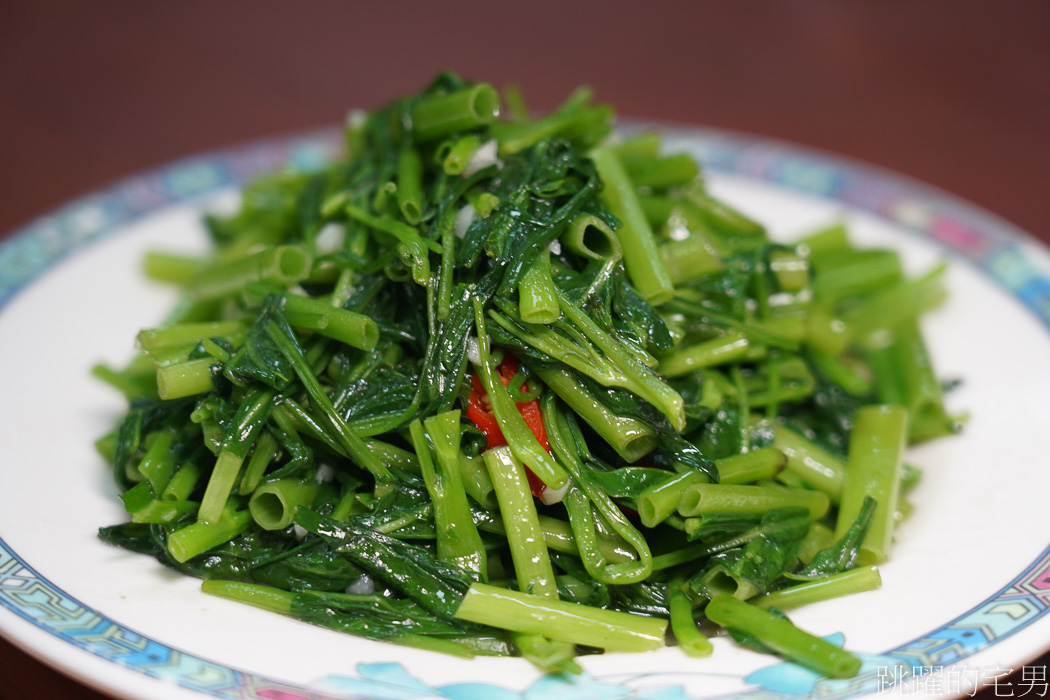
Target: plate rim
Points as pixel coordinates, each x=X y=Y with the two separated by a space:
x=1003 y=253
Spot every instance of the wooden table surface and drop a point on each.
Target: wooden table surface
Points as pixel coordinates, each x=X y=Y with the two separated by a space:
x=953 y=93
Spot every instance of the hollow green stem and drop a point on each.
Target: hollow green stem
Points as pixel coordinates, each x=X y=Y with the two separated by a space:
x=537 y=298
x=186 y=378
x=577 y=624
x=182 y=483
x=722 y=350
x=240 y=436
x=657 y=502
x=897 y=304
x=571 y=119
x=683 y=624
x=834 y=585
x=356 y=330
x=662 y=172
x=904 y=376
x=265 y=597
x=532 y=564
x=749 y=467
x=703 y=499
x=843 y=273
x=689 y=258
x=273 y=504
x=163 y=512
x=410 y=185
x=458 y=540
x=459 y=155
x=645 y=268
x=592 y=238
x=817 y=467
x=476 y=481
x=183 y=334
x=201 y=536
x=171 y=267
x=877 y=443
x=783 y=637
x=631 y=438
x=722 y=217
x=463 y=110
x=265 y=451
x=158 y=464
x=283 y=265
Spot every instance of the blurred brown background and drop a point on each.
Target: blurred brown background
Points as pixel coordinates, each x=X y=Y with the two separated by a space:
x=956 y=93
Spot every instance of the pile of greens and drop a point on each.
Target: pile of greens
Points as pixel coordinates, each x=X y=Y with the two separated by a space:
x=510 y=386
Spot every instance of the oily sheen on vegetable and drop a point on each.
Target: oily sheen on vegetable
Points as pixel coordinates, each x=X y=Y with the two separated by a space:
x=498 y=385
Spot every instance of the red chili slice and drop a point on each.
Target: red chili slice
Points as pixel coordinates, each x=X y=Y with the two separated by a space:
x=479 y=410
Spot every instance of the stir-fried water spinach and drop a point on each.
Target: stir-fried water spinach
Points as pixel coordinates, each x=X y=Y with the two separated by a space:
x=510 y=386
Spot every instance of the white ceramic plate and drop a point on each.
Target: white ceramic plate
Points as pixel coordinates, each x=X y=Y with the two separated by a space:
x=964 y=596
